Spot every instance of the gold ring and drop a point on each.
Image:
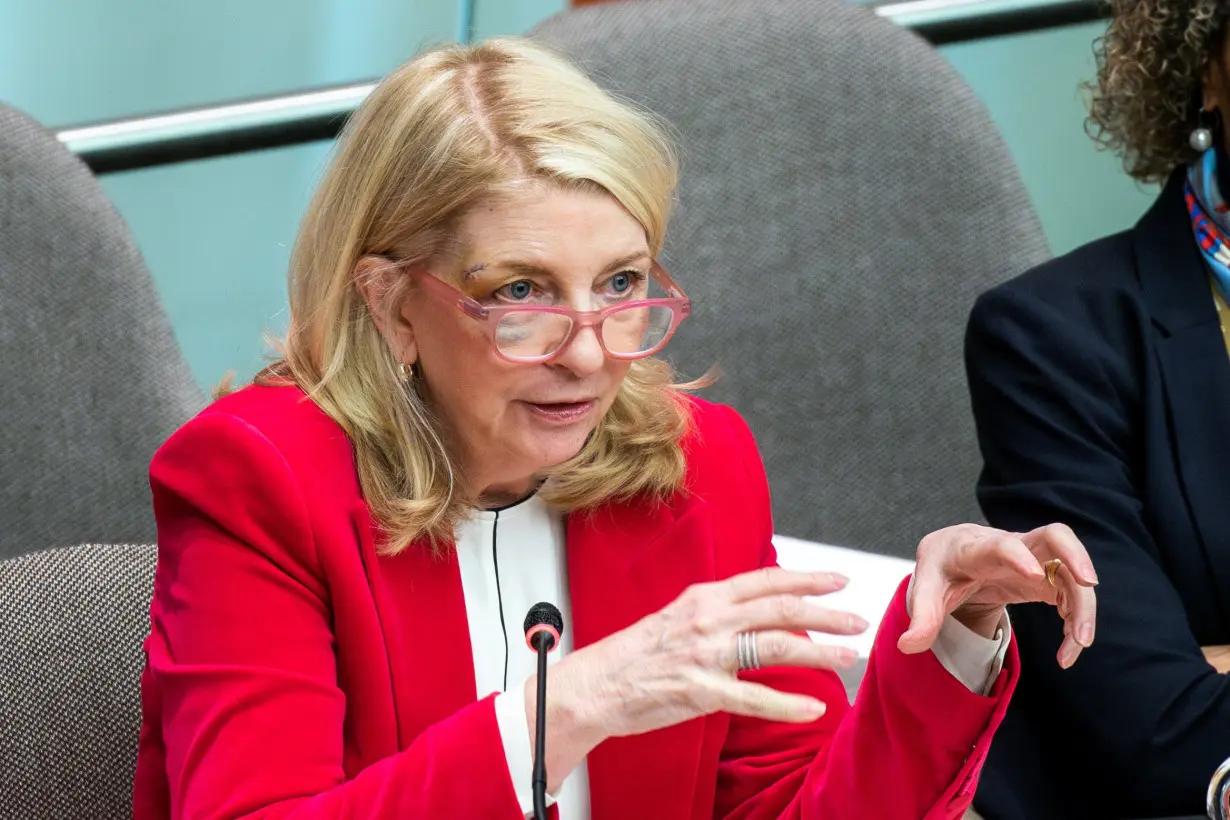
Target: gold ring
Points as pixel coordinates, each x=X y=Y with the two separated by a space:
x=1052 y=570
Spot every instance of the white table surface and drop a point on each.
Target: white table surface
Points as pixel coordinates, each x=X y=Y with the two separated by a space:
x=873 y=582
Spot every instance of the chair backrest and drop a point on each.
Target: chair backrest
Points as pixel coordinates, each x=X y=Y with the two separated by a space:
x=844 y=198
x=91 y=378
x=71 y=625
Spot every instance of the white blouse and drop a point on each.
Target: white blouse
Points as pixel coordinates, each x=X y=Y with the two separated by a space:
x=513 y=558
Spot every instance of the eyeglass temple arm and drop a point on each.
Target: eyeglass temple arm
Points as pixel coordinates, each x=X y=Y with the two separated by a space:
x=667 y=283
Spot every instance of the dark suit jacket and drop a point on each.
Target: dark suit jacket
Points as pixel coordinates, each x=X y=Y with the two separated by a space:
x=1101 y=388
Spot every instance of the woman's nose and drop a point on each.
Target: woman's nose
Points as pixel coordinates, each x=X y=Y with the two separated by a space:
x=583 y=354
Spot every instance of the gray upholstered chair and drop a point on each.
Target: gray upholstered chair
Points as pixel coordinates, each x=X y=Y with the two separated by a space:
x=71 y=625
x=844 y=198
x=91 y=379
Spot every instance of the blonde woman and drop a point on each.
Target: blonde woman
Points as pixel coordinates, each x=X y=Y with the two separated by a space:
x=468 y=420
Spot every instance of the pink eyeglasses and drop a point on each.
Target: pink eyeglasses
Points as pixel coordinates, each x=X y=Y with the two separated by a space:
x=533 y=334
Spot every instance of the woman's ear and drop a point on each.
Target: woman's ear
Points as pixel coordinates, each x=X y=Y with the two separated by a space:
x=376 y=278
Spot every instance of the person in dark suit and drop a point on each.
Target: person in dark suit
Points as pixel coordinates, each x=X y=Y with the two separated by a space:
x=1100 y=384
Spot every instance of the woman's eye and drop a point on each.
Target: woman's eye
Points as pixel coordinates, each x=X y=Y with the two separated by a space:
x=625 y=283
x=518 y=291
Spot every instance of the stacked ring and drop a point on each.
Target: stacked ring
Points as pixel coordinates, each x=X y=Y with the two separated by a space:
x=749 y=654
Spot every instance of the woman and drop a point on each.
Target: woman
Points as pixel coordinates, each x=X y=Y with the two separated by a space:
x=1101 y=388
x=467 y=420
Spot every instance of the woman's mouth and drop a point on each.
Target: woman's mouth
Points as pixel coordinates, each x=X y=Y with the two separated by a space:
x=562 y=412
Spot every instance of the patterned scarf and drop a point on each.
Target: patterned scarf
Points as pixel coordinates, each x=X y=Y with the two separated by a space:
x=1210 y=218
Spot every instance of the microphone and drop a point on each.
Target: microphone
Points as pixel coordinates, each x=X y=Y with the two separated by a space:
x=1217 y=801
x=543 y=625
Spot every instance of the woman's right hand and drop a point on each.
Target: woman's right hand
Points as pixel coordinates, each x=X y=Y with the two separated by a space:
x=682 y=662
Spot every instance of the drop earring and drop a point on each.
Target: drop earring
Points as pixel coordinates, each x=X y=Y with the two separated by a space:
x=1201 y=138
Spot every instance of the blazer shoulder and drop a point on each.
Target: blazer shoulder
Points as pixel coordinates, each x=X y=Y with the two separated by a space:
x=289 y=419
x=1091 y=298
x=266 y=464
x=1071 y=334
x=723 y=461
x=315 y=449
x=1101 y=273
x=714 y=430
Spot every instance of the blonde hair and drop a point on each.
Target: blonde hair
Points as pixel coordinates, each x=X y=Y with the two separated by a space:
x=449 y=129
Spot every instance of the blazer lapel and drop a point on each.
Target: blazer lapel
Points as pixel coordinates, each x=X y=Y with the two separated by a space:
x=422 y=610
x=626 y=562
x=1194 y=366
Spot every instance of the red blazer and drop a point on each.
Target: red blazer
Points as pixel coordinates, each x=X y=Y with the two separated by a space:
x=294 y=672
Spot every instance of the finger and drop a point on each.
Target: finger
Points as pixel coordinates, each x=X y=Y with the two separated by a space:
x=777 y=581
x=757 y=700
x=927 y=608
x=1058 y=541
x=1062 y=604
x=1080 y=622
x=789 y=612
x=1082 y=607
x=1010 y=550
x=776 y=647
x=992 y=557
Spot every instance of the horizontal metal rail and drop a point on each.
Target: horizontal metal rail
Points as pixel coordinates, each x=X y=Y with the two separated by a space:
x=310 y=116
x=954 y=21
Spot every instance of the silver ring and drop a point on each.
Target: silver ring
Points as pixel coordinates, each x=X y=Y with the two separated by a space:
x=749 y=653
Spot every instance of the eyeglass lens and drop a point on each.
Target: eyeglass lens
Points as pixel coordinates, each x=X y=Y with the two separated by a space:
x=536 y=334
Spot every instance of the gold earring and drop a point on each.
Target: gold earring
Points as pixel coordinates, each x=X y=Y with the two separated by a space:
x=405 y=372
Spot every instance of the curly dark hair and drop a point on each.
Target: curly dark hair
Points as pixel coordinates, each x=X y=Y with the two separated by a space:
x=1147 y=97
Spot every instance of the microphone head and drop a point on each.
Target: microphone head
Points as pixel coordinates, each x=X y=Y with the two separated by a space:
x=543 y=618
x=544 y=613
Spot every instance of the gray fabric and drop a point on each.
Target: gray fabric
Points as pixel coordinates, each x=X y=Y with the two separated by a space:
x=844 y=198
x=853 y=678
x=91 y=379
x=71 y=625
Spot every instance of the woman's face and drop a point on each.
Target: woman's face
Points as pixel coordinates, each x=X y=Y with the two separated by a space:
x=547 y=246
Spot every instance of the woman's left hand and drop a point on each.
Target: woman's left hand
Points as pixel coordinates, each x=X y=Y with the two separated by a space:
x=972 y=572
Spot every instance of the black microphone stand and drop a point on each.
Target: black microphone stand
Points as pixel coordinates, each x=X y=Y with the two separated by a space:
x=542 y=642
x=543 y=626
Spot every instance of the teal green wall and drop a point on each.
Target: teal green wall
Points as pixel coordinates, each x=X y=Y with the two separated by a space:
x=1030 y=85
x=73 y=61
x=217 y=233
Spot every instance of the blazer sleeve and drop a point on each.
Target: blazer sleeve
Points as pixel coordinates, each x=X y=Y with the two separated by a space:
x=1054 y=400
x=910 y=747
x=241 y=657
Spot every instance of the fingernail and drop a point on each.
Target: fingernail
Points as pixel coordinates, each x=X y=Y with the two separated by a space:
x=1067 y=657
x=1084 y=635
x=815 y=709
x=835 y=579
x=1091 y=577
x=858 y=624
x=846 y=656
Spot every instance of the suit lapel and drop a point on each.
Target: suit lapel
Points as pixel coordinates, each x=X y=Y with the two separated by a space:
x=625 y=562
x=422 y=610
x=1194 y=366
